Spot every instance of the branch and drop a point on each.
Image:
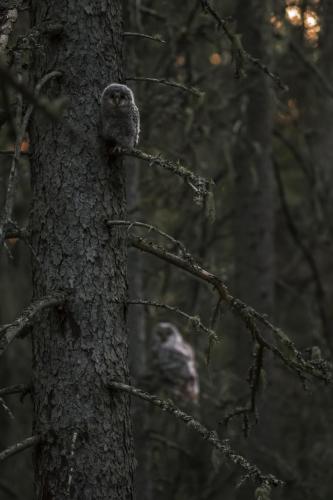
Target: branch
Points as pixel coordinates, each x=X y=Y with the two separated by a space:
x=202 y=187
x=155 y=38
x=254 y=382
x=313 y=67
x=152 y=13
x=284 y=348
x=9 y=201
x=20 y=87
x=150 y=228
x=251 y=471
x=9 y=332
x=7 y=409
x=237 y=47
x=15 y=389
x=194 y=320
x=11 y=230
x=16 y=448
x=170 y=444
x=163 y=81
x=22 y=125
x=309 y=258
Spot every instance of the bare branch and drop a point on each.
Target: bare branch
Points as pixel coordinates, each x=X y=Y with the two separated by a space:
x=152 y=13
x=194 y=320
x=164 y=81
x=150 y=228
x=238 y=48
x=22 y=125
x=9 y=152
x=9 y=202
x=14 y=389
x=189 y=266
x=309 y=258
x=202 y=187
x=170 y=444
x=18 y=447
x=9 y=332
x=313 y=67
x=254 y=382
x=251 y=471
x=7 y=409
x=284 y=348
x=41 y=104
x=155 y=38
x=12 y=231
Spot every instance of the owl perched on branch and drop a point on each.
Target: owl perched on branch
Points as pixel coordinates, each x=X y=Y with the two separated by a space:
x=174 y=362
x=120 y=118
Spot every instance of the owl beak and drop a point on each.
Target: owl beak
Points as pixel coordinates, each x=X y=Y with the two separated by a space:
x=117 y=99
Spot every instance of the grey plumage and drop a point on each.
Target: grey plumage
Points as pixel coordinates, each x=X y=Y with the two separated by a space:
x=120 y=118
x=174 y=362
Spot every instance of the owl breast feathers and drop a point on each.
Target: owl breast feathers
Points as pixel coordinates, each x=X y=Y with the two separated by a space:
x=174 y=361
x=120 y=118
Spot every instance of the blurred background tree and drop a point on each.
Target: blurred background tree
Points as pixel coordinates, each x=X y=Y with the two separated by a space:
x=268 y=151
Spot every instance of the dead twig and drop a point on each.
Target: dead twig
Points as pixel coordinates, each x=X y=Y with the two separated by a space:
x=154 y=38
x=202 y=187
x=18 y=447
x=240 y=53
x=284 y=348
x=164 y=81
x=9 y=332
x=251 y=471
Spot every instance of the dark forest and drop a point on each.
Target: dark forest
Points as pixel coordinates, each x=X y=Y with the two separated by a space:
x=166 y=235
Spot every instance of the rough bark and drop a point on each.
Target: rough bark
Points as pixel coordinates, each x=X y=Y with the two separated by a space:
x=86 y=451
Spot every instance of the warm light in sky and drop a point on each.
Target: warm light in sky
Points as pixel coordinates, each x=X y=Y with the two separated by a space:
x=309 y=18
x=276 y=22
x=294 y=15
x=312 y=26
x=215 y=59
x=180 y=60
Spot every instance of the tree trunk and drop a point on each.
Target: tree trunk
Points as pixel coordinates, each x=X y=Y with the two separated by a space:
x=86 y=450
x=254 y=202
x=254 y=184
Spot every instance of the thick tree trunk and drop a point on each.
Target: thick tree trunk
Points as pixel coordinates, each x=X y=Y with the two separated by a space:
x=86 y=451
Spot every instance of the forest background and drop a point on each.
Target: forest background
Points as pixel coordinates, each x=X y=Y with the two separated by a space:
x=240 y=93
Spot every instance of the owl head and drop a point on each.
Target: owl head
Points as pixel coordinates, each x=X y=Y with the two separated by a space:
x=164 y=331
x=117 y=95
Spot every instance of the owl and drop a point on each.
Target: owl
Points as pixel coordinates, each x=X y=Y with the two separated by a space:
x=120 y=119
x=174 y=362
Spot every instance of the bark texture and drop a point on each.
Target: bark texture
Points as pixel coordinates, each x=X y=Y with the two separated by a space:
x=86 y=451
